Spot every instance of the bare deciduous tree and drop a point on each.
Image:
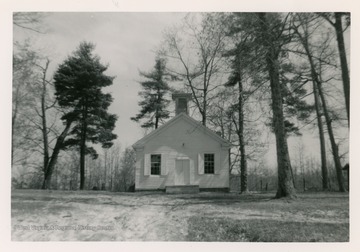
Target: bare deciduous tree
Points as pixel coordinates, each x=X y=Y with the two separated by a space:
x=336 y=20
x=318 y=91
x=127 y=173
x=197 y=49
x=29 y=21
x=301 y=25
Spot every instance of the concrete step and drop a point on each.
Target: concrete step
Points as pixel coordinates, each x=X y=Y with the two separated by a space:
x=182 y=189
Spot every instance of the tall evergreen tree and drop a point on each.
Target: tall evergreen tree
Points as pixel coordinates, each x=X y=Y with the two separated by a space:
x=241 y=55
x=78 y=82
x=265 y=36
x=153 y=104
x=271 y=33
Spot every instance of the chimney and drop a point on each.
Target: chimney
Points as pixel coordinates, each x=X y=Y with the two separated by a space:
x=181 y=102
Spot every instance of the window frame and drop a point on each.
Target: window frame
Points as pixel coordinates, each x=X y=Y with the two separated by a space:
x=210 y=163
x=158 y=173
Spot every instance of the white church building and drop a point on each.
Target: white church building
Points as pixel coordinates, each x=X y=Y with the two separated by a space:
x=182 y=155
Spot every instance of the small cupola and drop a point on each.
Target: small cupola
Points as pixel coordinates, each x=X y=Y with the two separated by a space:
x=181 y=102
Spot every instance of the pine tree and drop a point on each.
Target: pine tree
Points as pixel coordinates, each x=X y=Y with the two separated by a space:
x=78 y=82
x=293 y=92
x=272 y=37
x=265 y=36
x=240 y=59
x=153 y=104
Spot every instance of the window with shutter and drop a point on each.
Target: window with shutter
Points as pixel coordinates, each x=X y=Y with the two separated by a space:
x=209 y=163
x=155 y=164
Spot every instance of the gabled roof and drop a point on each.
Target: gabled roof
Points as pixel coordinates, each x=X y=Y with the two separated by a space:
x=182 y=116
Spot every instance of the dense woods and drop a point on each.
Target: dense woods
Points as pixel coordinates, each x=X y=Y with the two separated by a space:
x=257 y=79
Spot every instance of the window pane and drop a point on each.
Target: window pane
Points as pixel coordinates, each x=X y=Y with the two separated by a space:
x=209 y=157
x=155 y=158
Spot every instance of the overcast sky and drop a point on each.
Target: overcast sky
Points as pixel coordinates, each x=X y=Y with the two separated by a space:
x=126 y=41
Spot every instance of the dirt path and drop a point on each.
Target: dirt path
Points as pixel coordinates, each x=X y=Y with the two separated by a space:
x=71 y=216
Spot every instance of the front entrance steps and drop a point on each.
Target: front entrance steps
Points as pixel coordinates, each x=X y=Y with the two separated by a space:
x=182 y=189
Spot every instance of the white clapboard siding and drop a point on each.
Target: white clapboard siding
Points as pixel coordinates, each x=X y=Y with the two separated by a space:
x=163 y=167
x=147 y=165
x=217 y=168
x=200 y=163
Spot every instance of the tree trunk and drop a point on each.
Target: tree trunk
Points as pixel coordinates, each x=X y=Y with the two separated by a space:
x=315 y=79
x=343 y=61
x=204 y=110
x=157 y=109
x=83 y=149
x=156 y=122
x=43 y=118
x=243 y=164
x=317 y=83
x=82 y=163
x=54 y=156
x=324 y=170
x=334 y=146
x=14 y=120
x=285 y=179
x=205 y=93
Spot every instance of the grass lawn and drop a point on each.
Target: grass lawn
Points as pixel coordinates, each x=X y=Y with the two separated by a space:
x=105 y=216
x=255 y=230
